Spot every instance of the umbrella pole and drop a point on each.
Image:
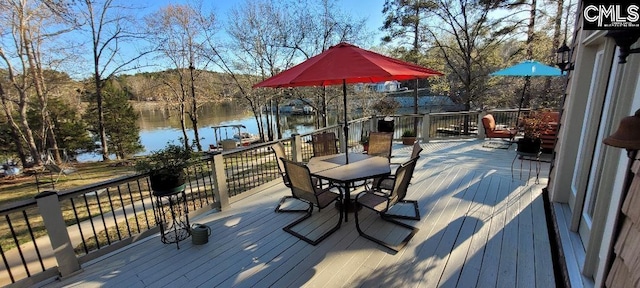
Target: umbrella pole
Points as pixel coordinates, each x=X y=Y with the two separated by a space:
x=346 y=124
x=524 y=90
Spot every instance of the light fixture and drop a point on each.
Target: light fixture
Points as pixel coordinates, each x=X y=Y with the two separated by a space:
x=624 y=39
x=628 y=134
x=563 y=57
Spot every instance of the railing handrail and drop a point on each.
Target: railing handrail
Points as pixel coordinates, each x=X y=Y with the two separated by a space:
x=73 y=192
x=19 y=205
x=320 y=130
x=454 y=113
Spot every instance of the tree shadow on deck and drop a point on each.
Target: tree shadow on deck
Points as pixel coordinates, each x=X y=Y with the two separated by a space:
x=508 y=248
x=427 y=254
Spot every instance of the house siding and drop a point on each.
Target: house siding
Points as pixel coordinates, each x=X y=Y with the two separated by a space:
x=625 y=271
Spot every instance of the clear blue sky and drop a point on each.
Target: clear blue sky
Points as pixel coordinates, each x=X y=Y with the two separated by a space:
x=371 y=10
x=368 y=9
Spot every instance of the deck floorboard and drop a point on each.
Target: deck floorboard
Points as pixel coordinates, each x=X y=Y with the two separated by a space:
x=479 y=227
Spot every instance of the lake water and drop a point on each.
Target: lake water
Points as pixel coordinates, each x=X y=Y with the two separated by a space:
x=159 y=126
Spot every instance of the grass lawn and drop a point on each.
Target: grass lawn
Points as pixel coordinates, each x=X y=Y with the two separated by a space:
x=24 y=186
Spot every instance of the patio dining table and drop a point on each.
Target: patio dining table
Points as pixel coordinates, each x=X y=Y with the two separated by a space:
x=360 y=167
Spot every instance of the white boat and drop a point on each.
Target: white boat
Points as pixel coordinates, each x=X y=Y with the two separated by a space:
x=246 y=138
x=239 y=138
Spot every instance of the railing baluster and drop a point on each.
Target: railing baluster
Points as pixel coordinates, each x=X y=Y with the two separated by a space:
x=15 y=240
x=75 y=214
x=133 y=207
x=144 y=207
x=33 y=238
x=93 y=227
x=6 y=264
x=198 y=170
x=115 y=220
x=124 y=211
x=104 y=222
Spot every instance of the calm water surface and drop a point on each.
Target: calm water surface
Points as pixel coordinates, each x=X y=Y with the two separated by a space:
x=159 y=126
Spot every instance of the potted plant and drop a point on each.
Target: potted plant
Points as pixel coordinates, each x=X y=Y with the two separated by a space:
x=532 y=126
x=166 y=169
x=386 y=107
x=408 y=137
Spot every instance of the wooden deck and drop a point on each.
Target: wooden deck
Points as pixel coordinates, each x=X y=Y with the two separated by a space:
x=479 y=228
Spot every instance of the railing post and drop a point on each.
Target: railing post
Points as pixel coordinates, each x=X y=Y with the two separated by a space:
x=426 y=128
x=481 y=133
x=49 y=208
x=296 y=148
x=220 y=177
x=373 y=123
x=342 y=139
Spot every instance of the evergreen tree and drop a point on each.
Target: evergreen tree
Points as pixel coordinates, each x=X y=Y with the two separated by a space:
x=70 y=129
x=123 y=133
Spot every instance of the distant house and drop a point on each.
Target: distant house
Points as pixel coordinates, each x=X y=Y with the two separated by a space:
x=387 y=86
x=296 y=107
x=587 y=182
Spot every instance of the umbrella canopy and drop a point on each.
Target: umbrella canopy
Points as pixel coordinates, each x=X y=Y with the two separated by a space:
x=527 y=68
x=345 y=63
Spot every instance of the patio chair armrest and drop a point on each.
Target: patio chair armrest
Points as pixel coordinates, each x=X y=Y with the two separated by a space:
x=378 y=183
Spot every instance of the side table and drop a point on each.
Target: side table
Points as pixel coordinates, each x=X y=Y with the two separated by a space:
x=532 y=157
x=172 y=216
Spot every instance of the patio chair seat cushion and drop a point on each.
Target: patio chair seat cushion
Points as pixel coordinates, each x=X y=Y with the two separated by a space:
x=326 y=196
x=373 y=201
x=503 y=132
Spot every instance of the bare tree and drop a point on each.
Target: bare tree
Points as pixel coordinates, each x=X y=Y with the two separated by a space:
x=318 y=26
x=109 y=29
x=270 y=37
x=255 y=29
x=31 y=26
x=467 y=35
x=180 y=32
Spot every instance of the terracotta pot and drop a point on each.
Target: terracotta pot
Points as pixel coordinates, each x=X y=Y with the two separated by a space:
x=408 y=140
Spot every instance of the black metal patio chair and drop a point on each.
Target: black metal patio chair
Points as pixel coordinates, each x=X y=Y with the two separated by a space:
x=380 y=144
x=302 y=188
x=381 y=201
x=324 y=144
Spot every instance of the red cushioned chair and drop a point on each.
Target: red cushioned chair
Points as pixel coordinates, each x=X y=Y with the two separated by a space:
x=490 y=130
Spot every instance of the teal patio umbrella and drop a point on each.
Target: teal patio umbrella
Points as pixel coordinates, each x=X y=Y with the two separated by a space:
x=527 y=69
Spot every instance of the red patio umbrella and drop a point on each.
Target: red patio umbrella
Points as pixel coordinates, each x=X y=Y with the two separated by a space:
x=345 y=63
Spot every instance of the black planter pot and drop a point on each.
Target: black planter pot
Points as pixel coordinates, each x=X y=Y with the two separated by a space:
x=527 y=145
x=166 y=184
x=386 y=126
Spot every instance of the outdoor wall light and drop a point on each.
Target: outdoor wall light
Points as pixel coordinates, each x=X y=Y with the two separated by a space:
x=624 y=39
x=628 y=134
x=563 y=56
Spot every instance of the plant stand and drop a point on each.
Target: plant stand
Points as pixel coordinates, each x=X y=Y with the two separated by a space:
x=172 y=216
x=531 y=157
